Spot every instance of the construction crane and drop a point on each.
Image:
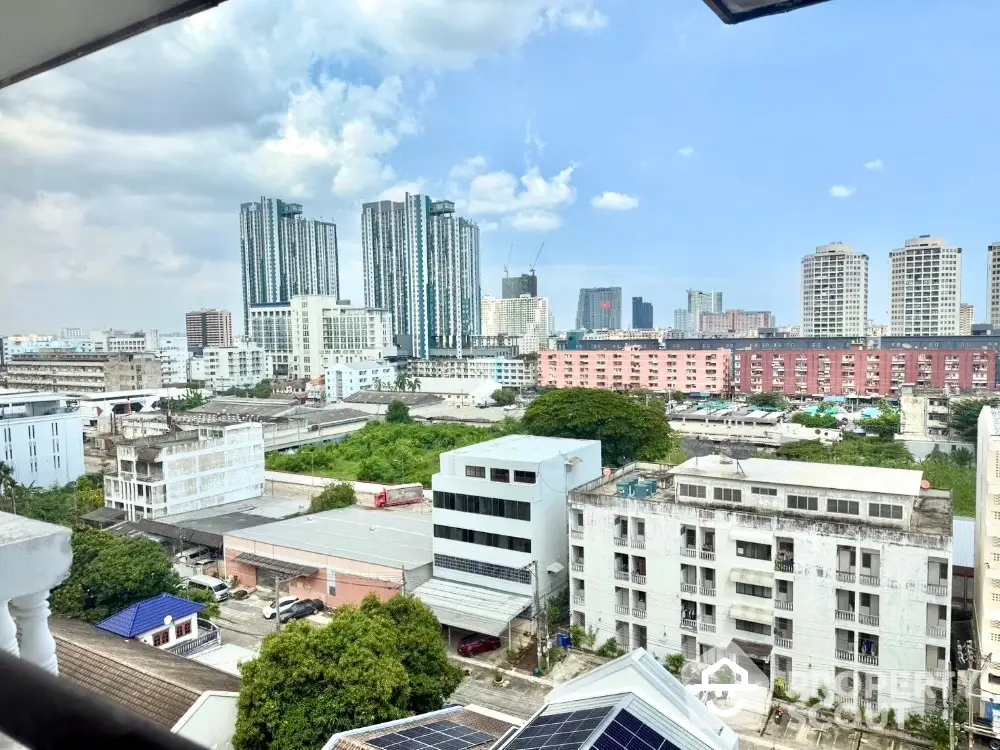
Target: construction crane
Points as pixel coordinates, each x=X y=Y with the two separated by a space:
x=532 y=266
x=507 y=264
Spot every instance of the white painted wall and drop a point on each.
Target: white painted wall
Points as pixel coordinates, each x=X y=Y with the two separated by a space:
x=147 y=637
x=44 y=450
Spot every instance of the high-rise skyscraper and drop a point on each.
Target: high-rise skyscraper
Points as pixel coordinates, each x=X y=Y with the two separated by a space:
x=925 y=288
x=209 y=327
x=526 y=318
x=642 y=314
x=285 y=254
x=689 y=320
x=600 y=308
x=966 y=317
x=421 y=262
x=993 y=282
x=834 y=292
x=518 y=286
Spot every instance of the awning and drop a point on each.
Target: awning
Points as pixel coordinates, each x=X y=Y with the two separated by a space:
x=752 y=535
x=279 y=567
x=743 y=612
x=752 y=649
x=752 y=577
x=474 y=608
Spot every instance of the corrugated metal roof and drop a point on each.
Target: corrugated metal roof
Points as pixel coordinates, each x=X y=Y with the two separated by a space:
x=963 y=542
x=475 y=608
x=148 y=615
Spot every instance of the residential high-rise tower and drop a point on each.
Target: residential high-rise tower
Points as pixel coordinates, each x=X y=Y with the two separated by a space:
x=642 y=314
x=689 y=320
x=966 y=317
x=600 y=308
x=518 y=286
x=208 y=327
x=993 y=280
x=834 y=292
x=925 y=288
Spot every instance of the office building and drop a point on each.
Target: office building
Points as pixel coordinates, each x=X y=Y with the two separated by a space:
x=599 y=308
x=41 y=438
x=925 y=288
x=526 y=318
x=518 y=286
x=689 y=319
x=421 y=264
x=834 y=292
x=701 y=371
x=822 y=575
x=79 y=372
x=285 y=254
x=862 y=372
x=510 y=372
x=186 y=471
x=500 y=527
x=209 y=327
x=642 y=314
x=327 y=331
x=966 y=317
x=735 y=323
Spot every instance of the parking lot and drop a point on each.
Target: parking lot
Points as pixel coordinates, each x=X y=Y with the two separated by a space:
x=242 y=622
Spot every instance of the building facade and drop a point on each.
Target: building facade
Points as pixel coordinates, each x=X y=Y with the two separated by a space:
x=834 y=292
x=285 y=254
x=347 y=378
x=125 y=341
x=862 y=372
x=41 y=438
x=735 y=323
x=209 y=327
x=925 y=288
x=701 y=371
x=325 y=331
x=599 y=308
x=421 y=264
x=986 y=621
x=76 y=372
x=518 y=286
x=528 y=319
x=240 y=366
x=642 y=314
x=822 y=575
x=689 y=320
x=966 y=317
x=510 y=372
x=271 y=328
x=174 y=356
x=993 y=284
x=186 y=471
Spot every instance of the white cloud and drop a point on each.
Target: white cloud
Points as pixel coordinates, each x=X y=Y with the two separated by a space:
x=685 y=151
x=398 y=191
x=535 y=220
x=614 y=201
x=499 y=193
x=874 y=164
x=468 y=168
x=841 y=191
x=532 y=139
x=489 y=226
x=586 y=19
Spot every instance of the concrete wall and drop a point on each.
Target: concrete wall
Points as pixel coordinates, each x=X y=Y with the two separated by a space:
x=44 y=451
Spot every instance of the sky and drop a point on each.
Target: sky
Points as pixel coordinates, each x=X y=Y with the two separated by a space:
x=648 y=145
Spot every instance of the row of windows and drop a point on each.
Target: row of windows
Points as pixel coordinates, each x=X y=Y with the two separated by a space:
x=501 y=541
x=750 y=590
x=846 y=507
x=501 y=475
x=753 y=550
x=691 y=490
x=797 y=502
x=753 y=627
x=882 y=510
x=801 y=502
x=769 y=491
x=727 y=495
x=477 y=567
x=487 y=506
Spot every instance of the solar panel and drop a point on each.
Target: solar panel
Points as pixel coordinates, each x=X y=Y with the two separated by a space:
x=438 y=735
x=562 y=731
x=626 y=732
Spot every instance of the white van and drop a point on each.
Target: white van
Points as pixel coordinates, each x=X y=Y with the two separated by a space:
x=218 y=588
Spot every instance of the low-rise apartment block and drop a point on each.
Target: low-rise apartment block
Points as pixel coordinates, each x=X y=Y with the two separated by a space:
x=78 y=372
x=862 y=372
x=735 y=322
x=189 y=470
x=41 y=438
x=343 y=380
x=822 y=575
x=240 y=366
x=701 y=371
x=511 y=372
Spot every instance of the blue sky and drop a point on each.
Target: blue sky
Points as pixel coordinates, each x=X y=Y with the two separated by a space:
x=727 y=141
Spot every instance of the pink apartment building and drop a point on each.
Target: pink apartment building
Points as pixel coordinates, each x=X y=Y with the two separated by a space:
x=690 y=371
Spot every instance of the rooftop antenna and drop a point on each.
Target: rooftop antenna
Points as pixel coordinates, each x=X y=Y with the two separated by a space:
x=506 y=265
x=697 y=448
x=739 y=450
x=532 y=266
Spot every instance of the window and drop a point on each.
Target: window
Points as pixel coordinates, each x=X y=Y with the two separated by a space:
x=477 y=567
x=727 y=495
x=524 y=477
x=476 y=472
x=769 y=491
x=691 y=490
x=500 y=475
x=784 y=586
x=753 y=627
x=184 y=628
x=750 y=590
x=486 y=539
x=883 y=510
x=331 y=582
x=847 y=507
x=801 y=502
x=486 y=506
x=753 y=550
x=161 y=637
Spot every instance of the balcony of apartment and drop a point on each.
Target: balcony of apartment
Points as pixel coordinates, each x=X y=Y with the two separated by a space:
x=868 y=649
x=576 y=561
x=937 y=577
x=639 y=570
x=689 y=579
x=783 y=633
x=871 y=568
x=707 y=587
x=639 y=604
x=784 y=559
x=868 y=609
x=621 y=531
x=845 y=610
x=621 y=567
x=707 y=551
x=937 y=621
x=578 y=593
x=637 y=534
x=844 y=648
x=846 y=564
x=936 y=659
x=622 y=597
x=783 y=595
x=689 y=545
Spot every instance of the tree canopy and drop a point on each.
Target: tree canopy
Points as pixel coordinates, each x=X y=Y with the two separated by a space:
x=191 y=399
x=885 y=425
x=60 y=505
x=373 y=663
x=964 y=416
x=819 y=420
x=333 y=496
x=628 y=430
x=768 y=401
x=263 y=389
x=397 y=413
x=504 y=396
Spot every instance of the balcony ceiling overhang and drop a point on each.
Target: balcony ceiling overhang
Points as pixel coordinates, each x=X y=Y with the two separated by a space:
x=38 y=35
x=738 y=11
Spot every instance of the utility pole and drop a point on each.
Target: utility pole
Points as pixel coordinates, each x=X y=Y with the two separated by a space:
x=538 y=613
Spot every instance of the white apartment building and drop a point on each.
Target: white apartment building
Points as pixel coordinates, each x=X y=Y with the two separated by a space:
x=84 y=372
x=834 y=292
x=966 y=318
x=271 y=328
x=125 y=341
x=821 y=574
x=174 y=356
x=346 y=379
x=185 y=471
x=527 y=318
x=987 y=545
x=239 y=366
x=508 y=372
x=41 y=438
x=925 y=288
x=500 y=527
x=327 y=331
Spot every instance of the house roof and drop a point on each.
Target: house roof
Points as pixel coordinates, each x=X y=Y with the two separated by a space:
x=473 y=717
x=148 y=615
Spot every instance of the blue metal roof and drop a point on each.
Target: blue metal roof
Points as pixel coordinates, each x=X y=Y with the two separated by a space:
x=149 y=615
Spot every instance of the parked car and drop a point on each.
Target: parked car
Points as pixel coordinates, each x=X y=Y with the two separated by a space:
x=478 y=644
x=301 y=609
x=279 y=605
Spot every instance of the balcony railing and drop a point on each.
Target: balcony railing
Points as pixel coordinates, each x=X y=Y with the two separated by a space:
x=937 y=589
x=784 y=566
x=639 y=612
x=845 y=654
x=689 y=588
x=577 y=567
x=783 y=604
x=707 y=554
x=689 y=552
x=621 y=575
x=621 y=609
x=691 y=625
x=937 y=631
x=782 y=642
x=639 y=578
x=868 y=659
x=578 y=599
x=576 y=534
x=707 y=626
x=868 y=580
x=638 y=542
x=843 y=614
x=707 y=590
x=621 y=541
x=845 y=576
x=209 y=637
x=868 y=620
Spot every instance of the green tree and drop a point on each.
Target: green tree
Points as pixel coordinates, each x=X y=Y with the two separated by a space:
x=371 y=664
x=191 y=399
x=333 y=496
x=202 y=596
x=504 y=396
x=377 y=383
x=818 y=420
x=628 y=430
x=263 y=389
x=768 y=401
x=401 y=382
x=8 y=486
x=109 y=574
x=964 y=418
x=397 y=413
x=678 y=396
x=675 y=664
x=414 y=385
x=885 y=425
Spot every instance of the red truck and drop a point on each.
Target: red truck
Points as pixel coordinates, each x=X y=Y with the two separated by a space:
x=401 y=494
